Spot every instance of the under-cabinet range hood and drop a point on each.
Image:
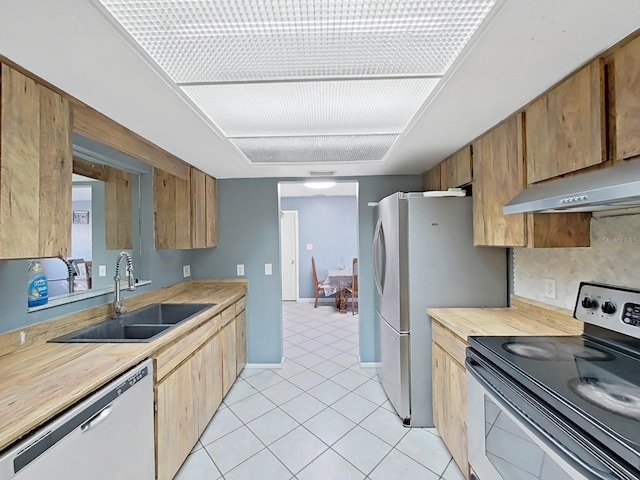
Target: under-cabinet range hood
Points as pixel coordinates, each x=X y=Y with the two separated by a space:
x=610 y=188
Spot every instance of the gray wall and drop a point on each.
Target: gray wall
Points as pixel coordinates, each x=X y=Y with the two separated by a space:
x=331 y=225
x=248 y=233
x=162 y=267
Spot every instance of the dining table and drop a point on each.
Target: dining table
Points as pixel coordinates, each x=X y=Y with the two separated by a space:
x=338 y=279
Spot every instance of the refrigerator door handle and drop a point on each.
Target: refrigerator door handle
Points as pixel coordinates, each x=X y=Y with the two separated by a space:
x=376 y=266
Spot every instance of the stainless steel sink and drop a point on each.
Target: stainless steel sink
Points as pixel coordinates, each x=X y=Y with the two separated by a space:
x=139 y=326
x=163 y=313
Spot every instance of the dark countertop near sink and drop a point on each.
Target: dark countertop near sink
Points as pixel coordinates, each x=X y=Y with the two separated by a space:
x=38 y=382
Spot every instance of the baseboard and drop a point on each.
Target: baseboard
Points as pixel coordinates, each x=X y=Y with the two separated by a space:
x=369 y=364
x=321 y=301
x=265 y=365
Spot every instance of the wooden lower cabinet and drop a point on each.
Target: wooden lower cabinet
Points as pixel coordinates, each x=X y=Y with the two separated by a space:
x=241 y=341
x=189 y=396
x=176 y=420
x=450 y=405
x=186 y=400
x=211 y=382
x=229 y=352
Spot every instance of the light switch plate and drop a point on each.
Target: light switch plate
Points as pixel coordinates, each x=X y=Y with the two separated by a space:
x=309 y=246
x=267 y=269
x=102 y=271
x=186 y=271
x=240 y=269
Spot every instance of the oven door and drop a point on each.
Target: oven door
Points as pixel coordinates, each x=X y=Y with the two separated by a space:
x=512 y=436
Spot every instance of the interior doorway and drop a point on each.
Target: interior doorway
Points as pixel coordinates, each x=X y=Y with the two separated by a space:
x=289 y=254
x=318 y=223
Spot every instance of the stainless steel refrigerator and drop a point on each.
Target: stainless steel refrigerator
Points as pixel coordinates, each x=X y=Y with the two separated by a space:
x=424 y=258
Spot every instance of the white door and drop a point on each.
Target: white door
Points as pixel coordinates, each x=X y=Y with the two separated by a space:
x=289 y=253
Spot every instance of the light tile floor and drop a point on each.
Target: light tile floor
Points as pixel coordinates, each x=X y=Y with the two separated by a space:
x=321 y=416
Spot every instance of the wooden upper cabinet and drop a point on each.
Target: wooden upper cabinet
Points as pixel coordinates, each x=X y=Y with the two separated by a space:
x=456 y=170
x=118 y=195
x=498 y=175
x=185 y=210
x=204 y=223
x=566 y=128
x=198 y=208
x=172 y=211
x=626 y=67
x=431 y=179
x=35 y=169
x=211 y=193
x=118 y=219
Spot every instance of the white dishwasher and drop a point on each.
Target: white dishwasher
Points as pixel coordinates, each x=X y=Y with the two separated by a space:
x=107 y=436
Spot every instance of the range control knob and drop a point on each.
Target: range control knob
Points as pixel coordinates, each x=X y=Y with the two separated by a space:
x=608 y=308
x=588 y=302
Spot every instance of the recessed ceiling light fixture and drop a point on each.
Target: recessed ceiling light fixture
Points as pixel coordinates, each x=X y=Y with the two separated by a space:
x=319 y=185
x=304 y=81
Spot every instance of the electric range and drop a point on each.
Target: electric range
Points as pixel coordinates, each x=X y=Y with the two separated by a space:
x=572 y=404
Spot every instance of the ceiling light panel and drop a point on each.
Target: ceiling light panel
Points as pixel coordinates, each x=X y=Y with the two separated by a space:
x=315 y=149
x=346 y=107
x=248 y=40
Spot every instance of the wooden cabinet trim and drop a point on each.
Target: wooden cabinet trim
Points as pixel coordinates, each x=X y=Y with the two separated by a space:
x=96 y=126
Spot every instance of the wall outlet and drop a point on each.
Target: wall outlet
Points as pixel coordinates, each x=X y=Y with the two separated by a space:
x=268 y=270
x=240 y=269
x=309 y=246
x=102 y=271
x=550 y=288
x=186 y=271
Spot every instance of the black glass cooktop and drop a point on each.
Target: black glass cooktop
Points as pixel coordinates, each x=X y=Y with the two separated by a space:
x=591 y=383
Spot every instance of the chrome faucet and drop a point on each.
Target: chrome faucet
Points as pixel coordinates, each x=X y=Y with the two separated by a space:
x=71 y=273
x=118 y=305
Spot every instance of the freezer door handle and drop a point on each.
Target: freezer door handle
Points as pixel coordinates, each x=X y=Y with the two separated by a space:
x=376 y=264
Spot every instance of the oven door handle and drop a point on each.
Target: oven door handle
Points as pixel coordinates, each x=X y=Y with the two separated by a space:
x=474 y=364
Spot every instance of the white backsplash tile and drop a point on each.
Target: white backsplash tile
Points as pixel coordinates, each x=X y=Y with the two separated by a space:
x=614 y=258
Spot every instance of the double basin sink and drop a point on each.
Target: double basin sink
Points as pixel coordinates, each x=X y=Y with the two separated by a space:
x=139 y=326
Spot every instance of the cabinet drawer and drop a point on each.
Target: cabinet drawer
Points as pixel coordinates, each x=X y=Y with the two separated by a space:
x=241 y=305
x=173 y=355
x=451 y=343
x=227 y=316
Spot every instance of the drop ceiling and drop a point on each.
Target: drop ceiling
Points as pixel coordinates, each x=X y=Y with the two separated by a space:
x=276 y=89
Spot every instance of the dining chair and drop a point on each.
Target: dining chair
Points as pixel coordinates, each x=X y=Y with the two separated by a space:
x=353 y=289
x=318 y=286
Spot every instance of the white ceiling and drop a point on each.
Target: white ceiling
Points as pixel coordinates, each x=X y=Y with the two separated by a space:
x=525 y=48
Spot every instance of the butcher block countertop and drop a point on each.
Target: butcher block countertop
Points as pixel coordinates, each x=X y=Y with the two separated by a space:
x=524 y=317
x=38 y=382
